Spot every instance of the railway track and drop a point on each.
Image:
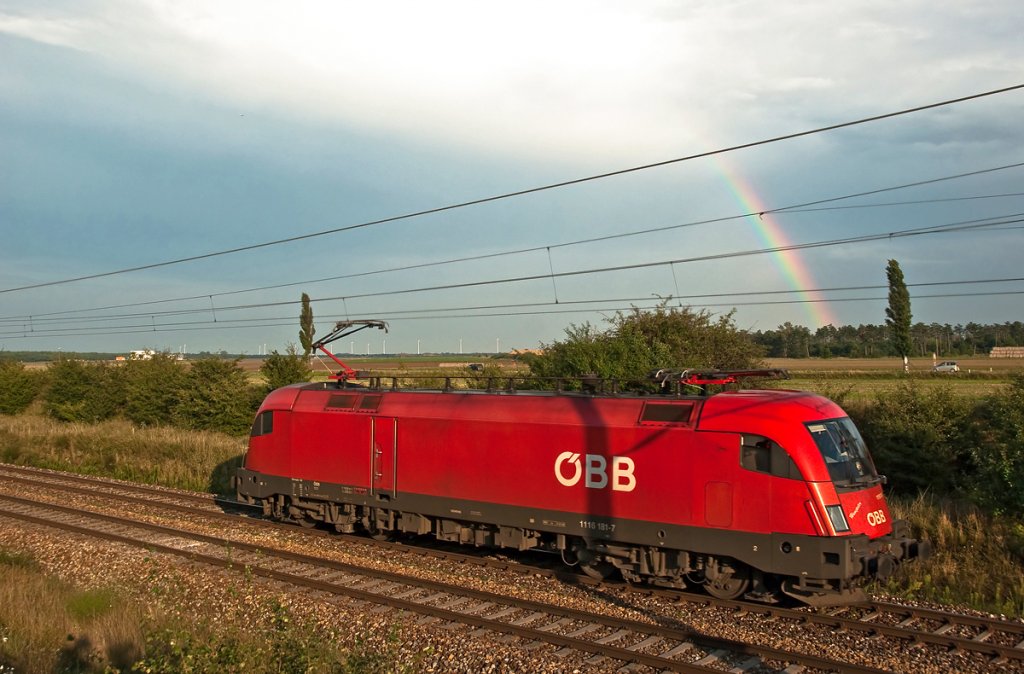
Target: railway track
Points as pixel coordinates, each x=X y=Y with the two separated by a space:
x=999 y=642
x=660 y=647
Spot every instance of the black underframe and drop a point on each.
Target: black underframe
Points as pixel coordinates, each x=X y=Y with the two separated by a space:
x=794 y=555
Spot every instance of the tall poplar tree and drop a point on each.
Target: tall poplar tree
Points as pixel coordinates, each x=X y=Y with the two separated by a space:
x=306 y=329
x=897 y=314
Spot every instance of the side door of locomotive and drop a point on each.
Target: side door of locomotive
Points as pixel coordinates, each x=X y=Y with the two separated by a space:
x=729 y=489
x=383 y=457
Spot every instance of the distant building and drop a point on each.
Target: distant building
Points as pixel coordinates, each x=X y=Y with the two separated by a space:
x=142 y=354
x=520 y=352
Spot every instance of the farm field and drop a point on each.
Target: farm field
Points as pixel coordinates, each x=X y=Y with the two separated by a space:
x=862 y=378
x=971 y=365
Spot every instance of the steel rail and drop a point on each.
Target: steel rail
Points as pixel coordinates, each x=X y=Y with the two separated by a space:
x=462 y=557
x=834 y=621
x=618 y=653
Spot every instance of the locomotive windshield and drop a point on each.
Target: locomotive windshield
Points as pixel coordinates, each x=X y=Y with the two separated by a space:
x=846 y=456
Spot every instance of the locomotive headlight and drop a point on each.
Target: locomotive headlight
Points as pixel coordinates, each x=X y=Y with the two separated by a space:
x=838 y=519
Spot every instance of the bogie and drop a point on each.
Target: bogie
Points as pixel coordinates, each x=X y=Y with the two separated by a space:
x=723 y=578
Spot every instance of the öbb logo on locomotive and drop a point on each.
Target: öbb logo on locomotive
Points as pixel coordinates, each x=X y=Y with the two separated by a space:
x=596 y=471
x=747 y=493
x=876 y=517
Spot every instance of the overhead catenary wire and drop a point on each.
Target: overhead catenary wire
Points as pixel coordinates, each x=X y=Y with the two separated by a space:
x=916 y=231
x=287 y=321
x=152 y=317
x=910 y=202
x=793 y=208
x=521 y=305
x=967 y=225
x=527 y=191
x=446 y=312
x=972 y=224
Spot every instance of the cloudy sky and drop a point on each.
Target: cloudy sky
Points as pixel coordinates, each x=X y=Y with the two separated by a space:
x=139 y=133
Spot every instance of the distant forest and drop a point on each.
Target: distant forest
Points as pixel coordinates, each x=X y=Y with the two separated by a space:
x=868 y=341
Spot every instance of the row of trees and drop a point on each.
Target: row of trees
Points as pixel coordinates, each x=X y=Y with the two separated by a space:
x=897 y=337
x=640 y=340
x=209 y=394
x=683 y=337
x=868 y=341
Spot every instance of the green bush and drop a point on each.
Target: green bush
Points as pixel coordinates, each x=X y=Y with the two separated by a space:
x=217 y=397
x=919 y=437
x=18 y=387
x=638 y=342
x=998 y=451
x=86 y=605
x=153 y=389
x=283 y=369
x=21 y=560
x=84 y=392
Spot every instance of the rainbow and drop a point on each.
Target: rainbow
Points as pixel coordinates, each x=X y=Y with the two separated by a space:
x=792 y=267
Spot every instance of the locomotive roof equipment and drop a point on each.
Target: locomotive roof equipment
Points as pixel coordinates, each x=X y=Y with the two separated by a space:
x=344 y=329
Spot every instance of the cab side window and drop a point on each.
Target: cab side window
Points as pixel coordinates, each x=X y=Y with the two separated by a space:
x=263 y=425
x=756 y=453
x=762 y=455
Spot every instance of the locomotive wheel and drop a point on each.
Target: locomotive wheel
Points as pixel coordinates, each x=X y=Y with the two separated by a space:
x=300 y=517
x=379 y=534
x=589 y=562
x=729 y=584
x=728 y=588
x=376 y=532
x=597 y=570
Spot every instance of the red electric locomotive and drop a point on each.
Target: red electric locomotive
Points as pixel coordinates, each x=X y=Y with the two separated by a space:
x=748 y=493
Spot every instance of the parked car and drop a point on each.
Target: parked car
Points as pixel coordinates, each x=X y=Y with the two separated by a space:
x=949 y=366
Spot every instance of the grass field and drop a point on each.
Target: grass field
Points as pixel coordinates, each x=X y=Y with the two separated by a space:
x=974 y=365
x=862 y=378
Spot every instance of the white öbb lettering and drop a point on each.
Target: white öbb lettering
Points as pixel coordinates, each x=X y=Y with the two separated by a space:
x=876 y=517
x=596 y=469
